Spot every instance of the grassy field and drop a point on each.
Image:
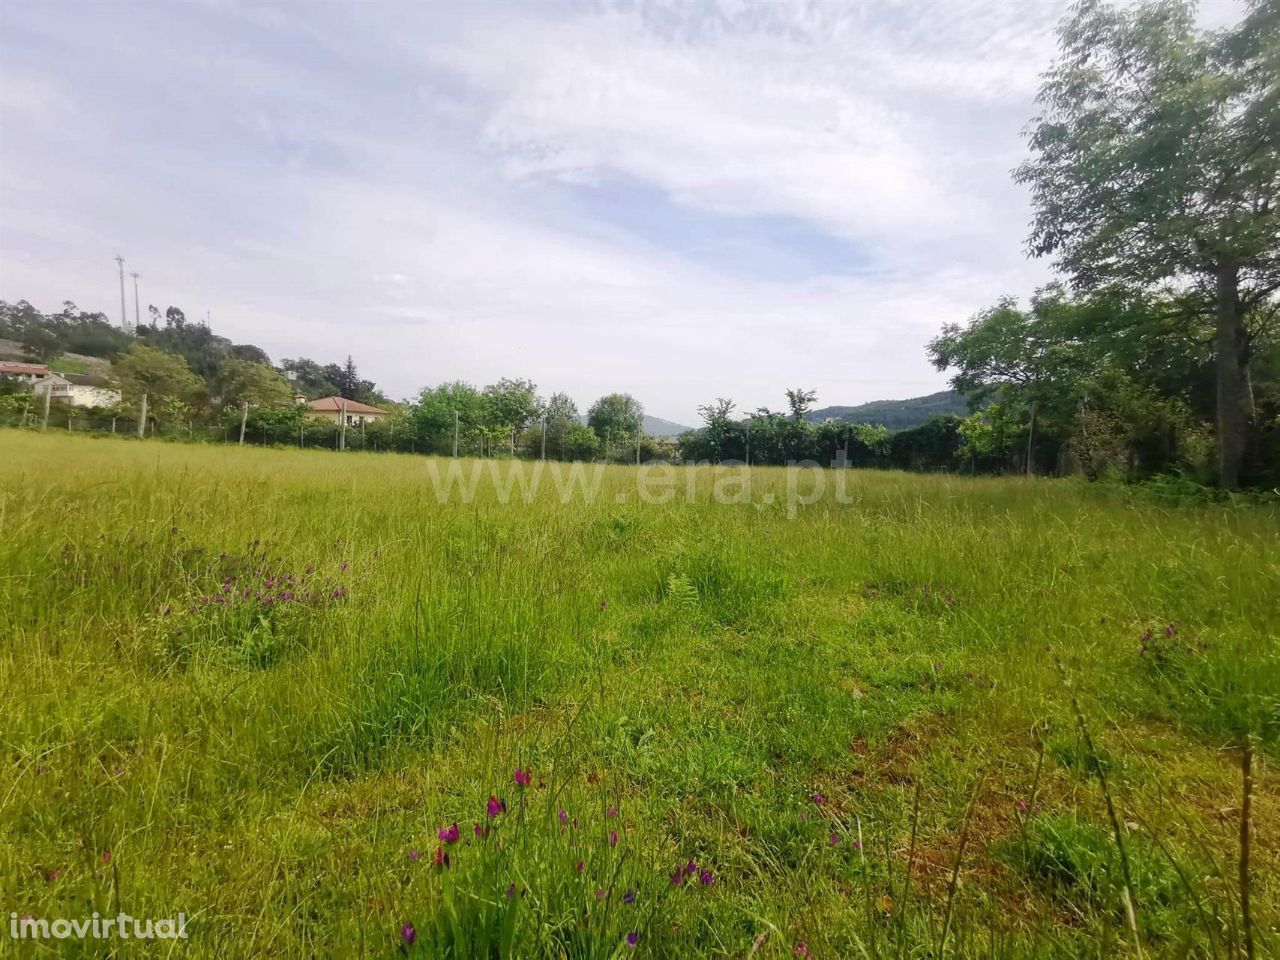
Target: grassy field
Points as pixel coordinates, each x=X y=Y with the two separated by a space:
x=258 y=687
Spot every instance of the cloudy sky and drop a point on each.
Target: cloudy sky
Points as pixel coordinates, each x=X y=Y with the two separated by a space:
x=680 y=199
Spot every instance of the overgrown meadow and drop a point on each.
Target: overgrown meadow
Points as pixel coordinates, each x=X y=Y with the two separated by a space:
x=293 y=696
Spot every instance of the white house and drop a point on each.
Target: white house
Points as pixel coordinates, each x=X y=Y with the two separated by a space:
x=335 y=408
x=77 y=389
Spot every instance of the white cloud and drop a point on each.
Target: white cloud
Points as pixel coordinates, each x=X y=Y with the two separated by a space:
x=388 y=180
x=834 y=119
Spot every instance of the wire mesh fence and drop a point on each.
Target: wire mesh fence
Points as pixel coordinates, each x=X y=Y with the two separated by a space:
x=321 y=435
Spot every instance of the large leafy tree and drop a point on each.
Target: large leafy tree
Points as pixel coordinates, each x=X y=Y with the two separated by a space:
x=1155 y=162
x=510 y=405
x=615 y=416
x=561 y=414
x=431 y=417
x=259 y=385
x=163 y=377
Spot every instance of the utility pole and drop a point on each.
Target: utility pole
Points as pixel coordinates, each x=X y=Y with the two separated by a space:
x=342 y=426
x=748 y=441
x=639 y=437
x=142 y=417
x=244 y=418
x=137 y=317
x=455 y=434
x=544 y=438
x=124 y=318
x=48 y=390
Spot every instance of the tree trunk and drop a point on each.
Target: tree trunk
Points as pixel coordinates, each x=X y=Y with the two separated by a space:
x=1230 y=347
x=1031 y=439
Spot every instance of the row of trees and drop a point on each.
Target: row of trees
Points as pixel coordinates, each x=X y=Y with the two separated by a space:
x=1115 y=383
x=511 y=415
x=193 y=377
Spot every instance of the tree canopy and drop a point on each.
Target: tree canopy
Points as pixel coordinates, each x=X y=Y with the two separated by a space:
x=1155 y=162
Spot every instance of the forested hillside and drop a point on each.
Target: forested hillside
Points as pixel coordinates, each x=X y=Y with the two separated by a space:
x=896 y=414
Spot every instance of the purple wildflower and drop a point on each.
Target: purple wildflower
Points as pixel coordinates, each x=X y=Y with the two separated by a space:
x=408 y=934
x=691 y=868
x=706 y=878
x=496 y=806
x=511 y=891
x=632 y=939
x=834 y=839
x=677 y=878
x=442 y=858
x=522 y=777
x=415 y=855
x=581 y=866
x=481 y=830
x=563 y=815
x=613 y=838
x=629 y=897
x=611 y=812
x=450 y=833
x=599 y=893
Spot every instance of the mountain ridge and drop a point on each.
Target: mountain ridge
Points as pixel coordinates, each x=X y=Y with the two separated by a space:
x=895 y=414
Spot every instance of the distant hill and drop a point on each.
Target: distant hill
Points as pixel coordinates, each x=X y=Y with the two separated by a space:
x=657 y=427
x=896 y=414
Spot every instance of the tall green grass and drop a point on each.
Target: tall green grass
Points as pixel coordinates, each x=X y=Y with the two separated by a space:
x=811 y=709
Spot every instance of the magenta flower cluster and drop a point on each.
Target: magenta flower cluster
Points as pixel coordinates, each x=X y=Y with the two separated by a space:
x=495 y=807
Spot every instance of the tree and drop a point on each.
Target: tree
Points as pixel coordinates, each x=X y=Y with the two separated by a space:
x=161 y=376
x=240 y=381
x=560 y=408
x=561 y=414
x=1155 y=162
x=309 y=378
x=41 y=337
x=616 y=416
x=580 y=442
x=247 y=351
x=346 y=378
x=510 y=405
x=203 y=350
x=431 y=416
x=1024 y=356
x=720 y=436
x=800 y=402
